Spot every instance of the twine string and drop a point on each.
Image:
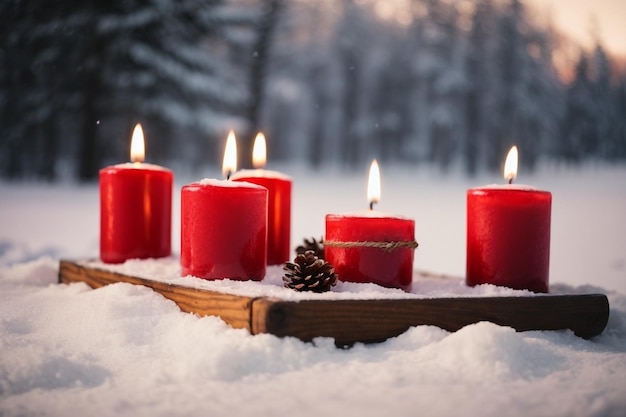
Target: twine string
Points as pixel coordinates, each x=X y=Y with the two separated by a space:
x=386 y=246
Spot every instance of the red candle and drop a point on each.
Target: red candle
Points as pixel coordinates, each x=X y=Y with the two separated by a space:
x=371 y=246
x=279 y=202
x=508 y=234
x=224 y=227
x=135 y=208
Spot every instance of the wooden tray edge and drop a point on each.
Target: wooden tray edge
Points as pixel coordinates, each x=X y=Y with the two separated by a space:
x=234 y=310
x=367 y=321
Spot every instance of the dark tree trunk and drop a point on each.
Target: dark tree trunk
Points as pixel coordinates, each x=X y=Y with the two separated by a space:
x=13 y=167
x=473 y=131
x=88 y=154
x=349 y=148
x=87 y=164
x=316 y=145
x=50 y=149
x=258 y=73
x=12 y=122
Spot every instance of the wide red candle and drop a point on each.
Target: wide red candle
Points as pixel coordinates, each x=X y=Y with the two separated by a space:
x=224 y=230
x=135 y=211
x=371 y=246
x=279 y=210
x=345 y=247
x=508 y=237
x=508 y=233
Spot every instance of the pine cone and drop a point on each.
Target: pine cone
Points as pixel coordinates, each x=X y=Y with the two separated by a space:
x=309 y=273
x=314 y=245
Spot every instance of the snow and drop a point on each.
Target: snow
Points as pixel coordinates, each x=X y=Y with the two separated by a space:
x=124 y=350
x=518 y=187
x=168 y=270
x=370 y=214
x=221 y=183
x=260 y=173
x=140 y=165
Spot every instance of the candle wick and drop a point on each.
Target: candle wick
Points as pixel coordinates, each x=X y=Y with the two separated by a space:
x=511 y=180
x=371 y=205
x=228 y=174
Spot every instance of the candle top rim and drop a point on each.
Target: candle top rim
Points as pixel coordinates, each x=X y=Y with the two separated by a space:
x=224 y=183
x=368 y=214
x=259 y=173
x=139 y=166
x=508 y=187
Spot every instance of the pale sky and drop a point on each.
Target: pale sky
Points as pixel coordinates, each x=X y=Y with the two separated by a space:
x=585 y=19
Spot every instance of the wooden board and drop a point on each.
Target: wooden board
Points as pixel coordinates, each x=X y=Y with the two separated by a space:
x=368 y=321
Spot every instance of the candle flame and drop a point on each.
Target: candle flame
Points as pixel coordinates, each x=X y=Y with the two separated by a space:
x=259 y=151
x=137 y=145
x=373 y=184
x=510 y=165
x=229 y=166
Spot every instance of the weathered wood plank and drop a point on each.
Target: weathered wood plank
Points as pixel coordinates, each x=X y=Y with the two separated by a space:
x=350 y=321
x=368 y=321
x=234 y=310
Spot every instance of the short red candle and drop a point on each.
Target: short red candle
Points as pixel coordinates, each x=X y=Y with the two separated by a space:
x=135 y=211
x=224 y=230
x=352 y=243
x=392 y=268
x=508 y=237
x=279 y=210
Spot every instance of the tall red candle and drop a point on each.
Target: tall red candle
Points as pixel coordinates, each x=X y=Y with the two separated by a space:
x=508 y=236
x=224 y=226
x=279 y=203
x=135 y=208
x=370 y=246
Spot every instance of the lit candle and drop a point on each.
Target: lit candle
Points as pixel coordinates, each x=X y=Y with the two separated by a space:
x=279 y=202
x=224 y=226
x=371 y=246
x=135 y=208
x=508 y=234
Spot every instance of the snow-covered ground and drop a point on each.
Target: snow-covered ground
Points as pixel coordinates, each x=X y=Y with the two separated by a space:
x=126 y=351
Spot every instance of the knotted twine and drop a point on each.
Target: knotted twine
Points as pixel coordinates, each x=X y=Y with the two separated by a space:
x=386 y=246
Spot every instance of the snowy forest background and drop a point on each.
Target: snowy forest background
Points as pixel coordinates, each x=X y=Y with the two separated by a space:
x=441 y=82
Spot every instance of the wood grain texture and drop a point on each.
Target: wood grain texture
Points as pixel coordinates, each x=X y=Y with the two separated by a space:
x=350 y=321
x=234 y=310
x=367 y=321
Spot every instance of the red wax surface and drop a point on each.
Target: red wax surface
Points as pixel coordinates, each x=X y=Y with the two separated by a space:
x=508 y=237
x=135 y=212
x=392 y=269
x=278 y=211
x=223 y=230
